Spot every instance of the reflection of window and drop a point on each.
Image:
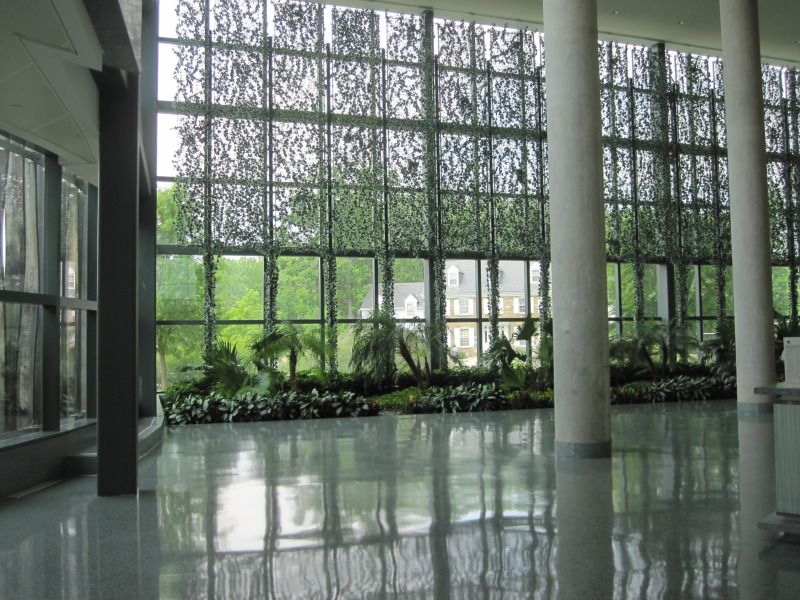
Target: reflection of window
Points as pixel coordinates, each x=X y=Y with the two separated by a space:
x=465 y=337
x=519 y=306
x=453 y=276
x=463 y=306
x=70 y=279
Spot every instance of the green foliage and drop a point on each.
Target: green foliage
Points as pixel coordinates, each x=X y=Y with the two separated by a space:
x=398 y=399
x=461 y=398
x=373 y=349
x=674 y=389
x=289 y=341
x=653 y=351
x=526 y=399
x=545 y=359
x=225 y=372
x=719 y=352
x=218 y=408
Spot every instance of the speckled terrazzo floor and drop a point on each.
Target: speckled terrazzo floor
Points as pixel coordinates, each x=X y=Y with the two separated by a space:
x=436 y=506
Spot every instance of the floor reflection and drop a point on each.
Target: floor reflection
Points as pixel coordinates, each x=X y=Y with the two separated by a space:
x=439 y=506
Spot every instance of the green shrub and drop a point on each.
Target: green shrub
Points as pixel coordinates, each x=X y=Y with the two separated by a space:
x=525 y=399
x=674 y=389
x=461 y=398
x=249 y=406
x=398 y=399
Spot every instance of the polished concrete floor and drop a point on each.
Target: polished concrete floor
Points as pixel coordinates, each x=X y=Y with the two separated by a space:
x=435 y=506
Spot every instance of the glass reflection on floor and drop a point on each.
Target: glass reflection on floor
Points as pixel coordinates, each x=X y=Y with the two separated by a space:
x=435 y=506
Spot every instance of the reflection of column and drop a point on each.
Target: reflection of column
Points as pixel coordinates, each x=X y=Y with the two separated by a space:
x=332 y=519
x=752 y=284
x=440 y=495
x=386 y=447
x=272 y=462
x=756 y=501
x=577 y=226
x=121 y=527
x=584 y=515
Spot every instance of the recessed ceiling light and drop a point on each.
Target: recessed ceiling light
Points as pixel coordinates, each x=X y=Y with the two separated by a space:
x=616 y=12
x=681 y=22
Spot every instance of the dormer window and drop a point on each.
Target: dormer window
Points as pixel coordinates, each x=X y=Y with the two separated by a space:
x=453 y=276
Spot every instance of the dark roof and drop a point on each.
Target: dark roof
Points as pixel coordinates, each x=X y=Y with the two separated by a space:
x=401 y=292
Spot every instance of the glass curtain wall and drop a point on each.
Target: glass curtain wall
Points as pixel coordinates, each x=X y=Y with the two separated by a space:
x=313 y=138
x=31 y=289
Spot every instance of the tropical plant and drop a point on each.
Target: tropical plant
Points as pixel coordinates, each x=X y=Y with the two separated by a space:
x=290 y=341
x=224 y=371
x=373 y=349
x=719 y=351
x=411 y=344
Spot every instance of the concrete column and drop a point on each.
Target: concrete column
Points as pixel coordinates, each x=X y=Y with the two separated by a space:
x=577 y=226
x=752 y=282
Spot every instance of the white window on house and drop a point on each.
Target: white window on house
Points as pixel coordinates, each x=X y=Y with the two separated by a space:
x=465 y=337
x=486 y=337
x=463 y=306
x=453 y=276
x=449 y=339
x=535 y=275
x=519 y=306
x=70 y=279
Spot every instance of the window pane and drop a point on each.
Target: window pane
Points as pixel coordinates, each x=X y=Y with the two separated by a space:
x=708 y=289
x=461 y=300
x=611 y=289
x=19 y=221
x=179 y=287
x=781 y=300
x=167 y=215
x=298 y=290
x=535 y=287
x=512 y=290
x=628 y=290
x=691 y=291
x=650 y=290
x=240 y=288
x=73 y=236
x=344 y=347
x=178 y=349
x=485 y=289
x=729 y=291
x=73 y=381
x=354 y=290
x=241 y=336
x=409 y=288
x=20 y=405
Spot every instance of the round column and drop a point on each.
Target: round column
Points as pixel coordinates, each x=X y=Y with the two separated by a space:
x=577 y=229
x=747 y=175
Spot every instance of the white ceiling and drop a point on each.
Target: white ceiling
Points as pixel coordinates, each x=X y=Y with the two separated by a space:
x=683 y=24
x=47 y=94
